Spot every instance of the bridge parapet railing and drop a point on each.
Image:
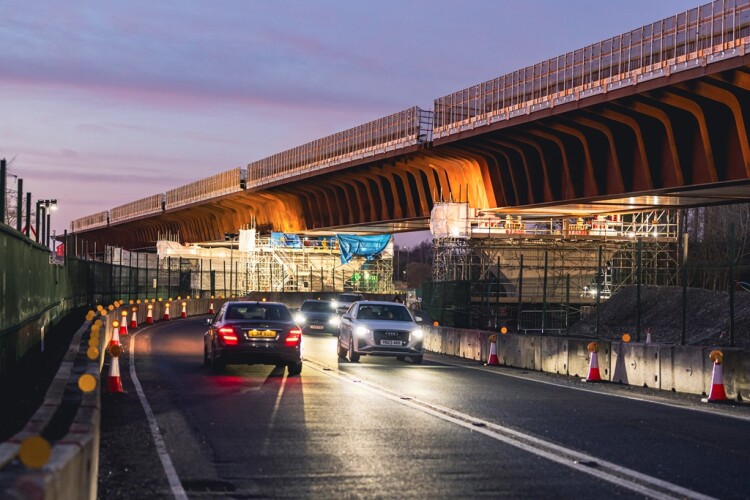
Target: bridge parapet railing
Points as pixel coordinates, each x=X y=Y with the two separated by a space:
x=93 y=221
x=707 y=33
x=392 y=132
x=145 y=206
x=220 y=184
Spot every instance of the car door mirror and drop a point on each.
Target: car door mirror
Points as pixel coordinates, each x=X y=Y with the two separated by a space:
x=418 y=319
x=208 y=321
x=346 y=316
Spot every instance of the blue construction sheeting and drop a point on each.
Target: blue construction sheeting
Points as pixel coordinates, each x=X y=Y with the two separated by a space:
x=365 y=246
x=285 y=240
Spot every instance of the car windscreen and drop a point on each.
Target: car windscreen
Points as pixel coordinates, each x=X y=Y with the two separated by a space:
x=320 y=307
x=269 y=312
x=349 y=297
x=384 y=312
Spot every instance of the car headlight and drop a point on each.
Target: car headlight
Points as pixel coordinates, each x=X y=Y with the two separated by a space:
x=417 y=334
x=362 y=331
x=299 y=318
x=334 y=304
x=334 y=321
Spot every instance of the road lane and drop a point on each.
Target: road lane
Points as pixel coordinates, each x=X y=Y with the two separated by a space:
x=254 y=431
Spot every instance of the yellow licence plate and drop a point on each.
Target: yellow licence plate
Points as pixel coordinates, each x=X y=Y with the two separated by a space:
x=261 y=333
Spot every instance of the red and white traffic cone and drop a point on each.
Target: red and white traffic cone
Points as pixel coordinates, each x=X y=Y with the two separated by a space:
x=166 y=312
x=211 y=307
x=150 y=315
x=115 y=340
x=717 y=379
x=134 y=319
x=594 y=375
x=124 y=323
x=492 y=360
x=183 y=314
x=114 y=382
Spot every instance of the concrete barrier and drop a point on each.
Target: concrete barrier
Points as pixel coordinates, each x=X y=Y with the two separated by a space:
x=684 y=369
x=74 y=463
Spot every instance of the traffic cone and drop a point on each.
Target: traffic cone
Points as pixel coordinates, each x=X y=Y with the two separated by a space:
x=183 y=314
x=594 y=375
x=115 y=340
x=150 y=315
x=211 y=307
x=166 y=312
x=134 y=320
x=124 y=323
x=114 y=382
x=493 y=361
x=717 y=379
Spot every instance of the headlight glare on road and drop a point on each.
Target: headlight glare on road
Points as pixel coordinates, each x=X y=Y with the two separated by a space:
x=299 y=318
x=361 y=331
x=417 y=334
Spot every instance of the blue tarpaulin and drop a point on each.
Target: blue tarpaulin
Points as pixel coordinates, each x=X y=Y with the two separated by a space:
x=285 y=240
x=366 y=246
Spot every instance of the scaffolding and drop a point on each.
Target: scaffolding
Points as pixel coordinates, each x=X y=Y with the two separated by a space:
x=230 y=268
x=554 y=260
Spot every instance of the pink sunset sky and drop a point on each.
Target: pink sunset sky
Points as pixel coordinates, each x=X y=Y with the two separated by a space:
x=104 y=103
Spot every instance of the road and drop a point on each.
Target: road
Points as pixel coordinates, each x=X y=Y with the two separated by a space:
x=382 y=428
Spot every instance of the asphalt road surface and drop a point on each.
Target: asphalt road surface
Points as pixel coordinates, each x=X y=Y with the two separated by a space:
x=383 y=428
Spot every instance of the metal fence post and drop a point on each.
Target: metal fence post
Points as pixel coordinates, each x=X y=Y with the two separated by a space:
x=2 y=190
x=544 y=293
x=639 y=278
x=599 y=279
x=731 y=284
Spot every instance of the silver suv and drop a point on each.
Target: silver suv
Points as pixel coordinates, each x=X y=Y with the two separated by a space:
x=380 y=329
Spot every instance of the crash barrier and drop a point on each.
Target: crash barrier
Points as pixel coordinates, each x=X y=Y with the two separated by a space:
x=68 y=421
x=686 y=369
x=66 y=427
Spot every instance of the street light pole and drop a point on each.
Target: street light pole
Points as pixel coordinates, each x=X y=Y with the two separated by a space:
x=231 y=237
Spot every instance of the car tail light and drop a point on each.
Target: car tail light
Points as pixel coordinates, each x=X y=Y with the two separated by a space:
x=294 y=337
x=227 y=335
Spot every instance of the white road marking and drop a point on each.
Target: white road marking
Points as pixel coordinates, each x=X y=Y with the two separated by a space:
x=166 y=461
x=649 y=486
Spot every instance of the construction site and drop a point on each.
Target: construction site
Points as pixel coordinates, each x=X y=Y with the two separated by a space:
x=539 y=273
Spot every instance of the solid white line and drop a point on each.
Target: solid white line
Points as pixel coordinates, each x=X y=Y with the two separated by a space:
x=174 y=481
x=621 y=476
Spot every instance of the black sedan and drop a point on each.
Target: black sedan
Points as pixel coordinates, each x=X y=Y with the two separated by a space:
x=318 y=316
x=253 y=333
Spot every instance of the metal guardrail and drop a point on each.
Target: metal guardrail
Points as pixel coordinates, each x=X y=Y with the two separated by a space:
x=713 y=31
x=399 y=130
x=543 y=321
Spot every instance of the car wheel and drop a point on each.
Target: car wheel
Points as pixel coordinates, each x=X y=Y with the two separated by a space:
x=400 y=358
x=217 y=364
x=341 y=349
x=353 y=356
x=417 y=360
x=294 y=369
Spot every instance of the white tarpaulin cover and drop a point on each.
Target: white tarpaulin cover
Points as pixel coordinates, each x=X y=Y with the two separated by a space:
x=247 y=240
x=450 y=220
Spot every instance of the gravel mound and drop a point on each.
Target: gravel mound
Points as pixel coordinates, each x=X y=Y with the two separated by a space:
x=707 y=317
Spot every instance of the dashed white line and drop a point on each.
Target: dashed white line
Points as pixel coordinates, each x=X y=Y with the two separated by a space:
x=630 y=479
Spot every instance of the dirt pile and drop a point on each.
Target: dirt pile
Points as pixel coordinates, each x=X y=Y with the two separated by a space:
x=707 y=317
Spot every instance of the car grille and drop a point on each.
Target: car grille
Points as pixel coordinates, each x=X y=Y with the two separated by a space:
x=402 y=335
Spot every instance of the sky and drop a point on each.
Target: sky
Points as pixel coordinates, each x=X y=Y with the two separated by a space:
x=103 y=103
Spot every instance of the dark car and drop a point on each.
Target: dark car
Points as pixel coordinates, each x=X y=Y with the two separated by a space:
x=345 y=300
x=380 y=329
x=253 y=333
x=317 y=316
